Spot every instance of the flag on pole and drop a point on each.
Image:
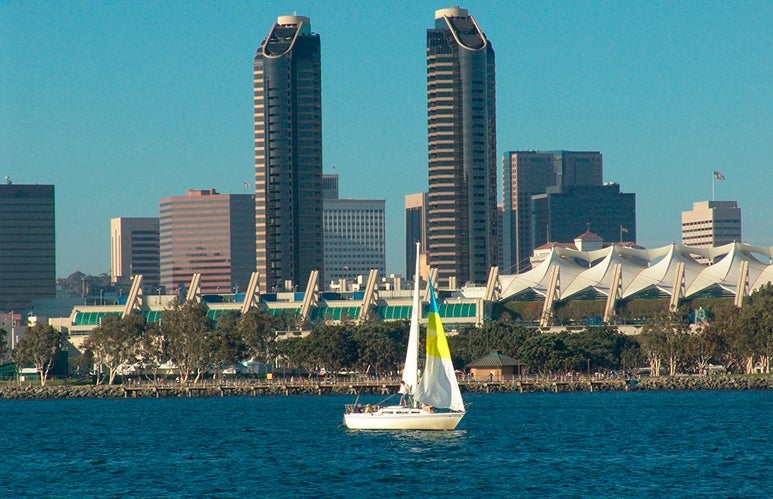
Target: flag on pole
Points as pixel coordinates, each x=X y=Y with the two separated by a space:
x=718 y=176
x=623 y=229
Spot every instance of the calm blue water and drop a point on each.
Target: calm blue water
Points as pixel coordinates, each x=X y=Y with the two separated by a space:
x=644 y=444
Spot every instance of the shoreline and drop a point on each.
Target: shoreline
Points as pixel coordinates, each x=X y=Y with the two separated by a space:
x=660 y=383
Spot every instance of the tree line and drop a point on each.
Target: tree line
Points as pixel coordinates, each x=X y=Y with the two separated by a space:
x=740 y=339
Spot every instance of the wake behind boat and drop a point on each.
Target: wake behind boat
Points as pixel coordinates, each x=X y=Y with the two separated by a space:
x=432 y=403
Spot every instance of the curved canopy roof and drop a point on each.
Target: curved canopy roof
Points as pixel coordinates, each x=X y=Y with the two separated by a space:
x=645 y=272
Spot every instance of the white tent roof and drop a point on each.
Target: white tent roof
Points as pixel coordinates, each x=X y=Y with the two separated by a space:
x=538 y=278
x=644 y=270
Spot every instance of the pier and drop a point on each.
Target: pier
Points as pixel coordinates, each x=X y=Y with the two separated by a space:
x=389 y=386
x=380 y=387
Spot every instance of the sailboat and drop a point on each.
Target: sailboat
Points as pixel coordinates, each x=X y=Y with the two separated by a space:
x=432 y=402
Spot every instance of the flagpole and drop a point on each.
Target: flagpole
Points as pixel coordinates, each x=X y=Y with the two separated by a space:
x=713 y=179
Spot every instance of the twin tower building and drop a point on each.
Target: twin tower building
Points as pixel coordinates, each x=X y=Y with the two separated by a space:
x=462 y=161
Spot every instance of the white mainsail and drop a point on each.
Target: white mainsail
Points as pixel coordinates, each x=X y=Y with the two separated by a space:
x=438 y=386
x=411 y=367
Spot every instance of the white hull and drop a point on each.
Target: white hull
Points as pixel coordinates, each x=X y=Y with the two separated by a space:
x=437 y=388
x=402 y=418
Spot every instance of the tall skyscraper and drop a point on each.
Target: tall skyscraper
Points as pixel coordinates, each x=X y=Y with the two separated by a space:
x=461 y=118
x=27 y=245
x=210 y=234
x=711 y=223
x=288 y=154
x=355 y=240
x=415 y=229
x=134 y=249
x=529 y=173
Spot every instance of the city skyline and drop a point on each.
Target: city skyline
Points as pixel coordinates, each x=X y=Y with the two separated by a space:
x=119 y=106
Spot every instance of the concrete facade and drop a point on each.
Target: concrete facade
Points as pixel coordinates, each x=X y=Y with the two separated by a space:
x=355 y=240
x=134 y=249
x=711 y=223
x=210 y=234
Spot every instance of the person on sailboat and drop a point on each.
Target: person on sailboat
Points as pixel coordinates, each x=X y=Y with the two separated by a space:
x=405 y=390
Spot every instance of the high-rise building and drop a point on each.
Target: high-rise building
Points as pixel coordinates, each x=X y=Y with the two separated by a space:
x=27 y=245
x=288 y=154
x=210 y=234
x=563 y=212
x=711 y=223
x=134 y=250
x=329 y=186
x=461 y=114
x=415 y=229
x=529 y=173
x=355 y=240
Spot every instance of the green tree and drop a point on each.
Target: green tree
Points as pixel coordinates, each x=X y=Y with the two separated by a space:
x=664 y=340
x=756 y=322
x=540 y=352
x=188 y=330
x=736 y=349
x=152 y=351
x=631 y=358
x=4 y=350
x=228 y=346
x=475 y=342
x=114 y=343
x=702 y=346
x=602 y=347
x=332 y=347
x=652 y=341
x=293 y=352
x=40 y=347
x=257 y=329
x=380 y=347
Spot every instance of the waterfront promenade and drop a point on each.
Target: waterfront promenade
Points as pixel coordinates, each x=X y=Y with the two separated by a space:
x=385 y=387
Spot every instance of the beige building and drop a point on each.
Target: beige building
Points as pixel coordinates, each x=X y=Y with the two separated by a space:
x=210 y=234
x=415 y=229
x=711 y=223
x=134 y=250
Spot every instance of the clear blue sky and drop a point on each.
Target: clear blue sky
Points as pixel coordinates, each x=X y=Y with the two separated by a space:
x=120 y=103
